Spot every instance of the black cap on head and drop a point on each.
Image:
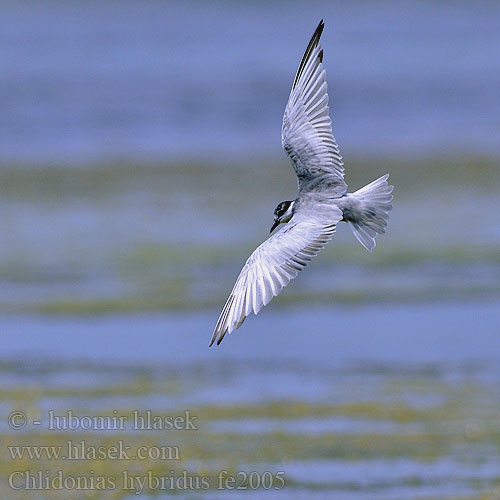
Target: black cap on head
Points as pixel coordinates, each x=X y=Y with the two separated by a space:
x=282 y=207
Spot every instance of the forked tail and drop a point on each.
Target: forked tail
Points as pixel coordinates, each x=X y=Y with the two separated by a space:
x=368 y=210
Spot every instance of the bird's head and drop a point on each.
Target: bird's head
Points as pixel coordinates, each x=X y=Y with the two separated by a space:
x=282 y=213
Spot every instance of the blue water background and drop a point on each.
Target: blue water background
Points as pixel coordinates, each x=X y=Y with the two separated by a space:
x=168 y=80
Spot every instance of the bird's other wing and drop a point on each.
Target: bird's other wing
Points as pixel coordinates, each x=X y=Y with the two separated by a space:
x=306 y=134
x=273 y=264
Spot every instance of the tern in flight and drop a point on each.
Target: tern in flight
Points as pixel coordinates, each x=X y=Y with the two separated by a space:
x=309 y=221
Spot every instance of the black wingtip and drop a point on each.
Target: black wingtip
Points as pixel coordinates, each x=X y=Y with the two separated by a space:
x=217 y=337
x=313 y=43
x=319 y=30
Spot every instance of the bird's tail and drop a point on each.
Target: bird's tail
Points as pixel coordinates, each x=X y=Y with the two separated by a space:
x=370 y=210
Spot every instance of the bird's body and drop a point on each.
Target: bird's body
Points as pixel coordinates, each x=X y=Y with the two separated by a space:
x=322 y=202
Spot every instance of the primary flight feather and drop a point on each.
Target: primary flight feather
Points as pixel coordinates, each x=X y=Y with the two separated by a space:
x=310 y=220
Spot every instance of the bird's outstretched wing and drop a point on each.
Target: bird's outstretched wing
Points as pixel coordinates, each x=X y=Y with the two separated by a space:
x=274 y=263
x=306 y=134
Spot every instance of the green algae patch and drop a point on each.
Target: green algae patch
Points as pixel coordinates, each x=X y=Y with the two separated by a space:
x=129 y=237
x=459 y=427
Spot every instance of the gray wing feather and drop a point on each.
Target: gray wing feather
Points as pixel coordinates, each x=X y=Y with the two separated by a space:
x=273 y=264
x=306 y=135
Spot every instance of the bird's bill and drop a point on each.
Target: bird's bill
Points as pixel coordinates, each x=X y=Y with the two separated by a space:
x=276 y=223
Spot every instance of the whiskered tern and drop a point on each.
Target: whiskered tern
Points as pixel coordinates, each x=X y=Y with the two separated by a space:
x=323 y=201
